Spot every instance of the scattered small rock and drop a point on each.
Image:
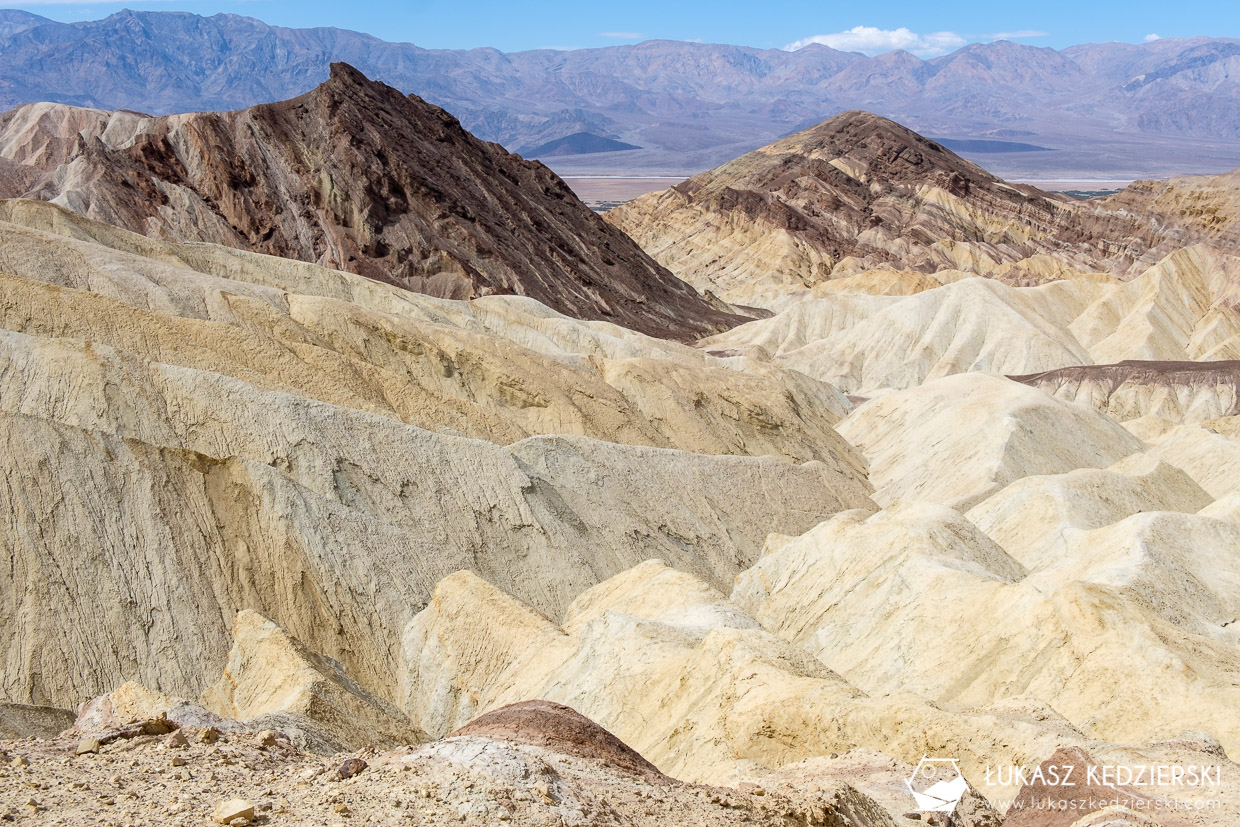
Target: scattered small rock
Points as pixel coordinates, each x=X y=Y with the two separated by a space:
x=350 y=768
x=208 y=735
x=267 y=738
x=228 y=811
x=176 y=740
x=153 y=726
x=19 y=761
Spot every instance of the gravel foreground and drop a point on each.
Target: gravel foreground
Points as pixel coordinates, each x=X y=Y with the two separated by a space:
x=182 y=777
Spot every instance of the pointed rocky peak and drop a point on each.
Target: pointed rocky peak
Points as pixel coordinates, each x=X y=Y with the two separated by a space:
x=854 y=157
x=882 y=151
x=344 y=74
x=860 y=192
x=356 y=176
x=900 y=58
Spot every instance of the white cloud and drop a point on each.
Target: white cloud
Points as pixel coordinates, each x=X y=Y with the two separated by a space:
x=874 y=41
x=622 y=35
x=1150 y=38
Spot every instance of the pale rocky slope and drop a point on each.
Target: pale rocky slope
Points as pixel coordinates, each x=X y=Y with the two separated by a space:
x=228 y=431
x=1125 y=630
x=960 y=439
x=273 y=681
x=1036 y=519
x=498 y=369
x=1209 y=451
x=684 y=675
x=1088 y=597
x=693 y=680
x=1181 y=309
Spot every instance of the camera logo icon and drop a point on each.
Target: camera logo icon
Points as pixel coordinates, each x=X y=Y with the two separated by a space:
x=937 y=784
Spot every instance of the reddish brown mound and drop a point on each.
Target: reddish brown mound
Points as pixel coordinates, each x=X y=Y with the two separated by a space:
x=1068 y=786
x=1136 y=372
x=356 y=176
x=561 y=729
x=1145 y=372
x=856 y=186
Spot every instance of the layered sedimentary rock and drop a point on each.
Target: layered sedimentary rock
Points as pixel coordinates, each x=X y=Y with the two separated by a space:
x=862 y=343
x=697 y=683
x=1199 y=208
x=1209 y=451
x=1038 y=518
x=224 y=431
x=499 y=369
x=1182 y=308
x=324 y=505
x=562 y=728
x=355 y=176
x=860 y=192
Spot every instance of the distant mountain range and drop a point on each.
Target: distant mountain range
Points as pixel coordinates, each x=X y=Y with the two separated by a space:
x=579 y=143
x=1111 y=110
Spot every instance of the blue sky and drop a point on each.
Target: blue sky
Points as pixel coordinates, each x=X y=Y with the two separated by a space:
x=925 y=28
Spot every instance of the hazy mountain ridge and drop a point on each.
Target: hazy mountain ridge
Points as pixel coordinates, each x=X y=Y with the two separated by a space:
x=13 y=21
x=690 y=105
